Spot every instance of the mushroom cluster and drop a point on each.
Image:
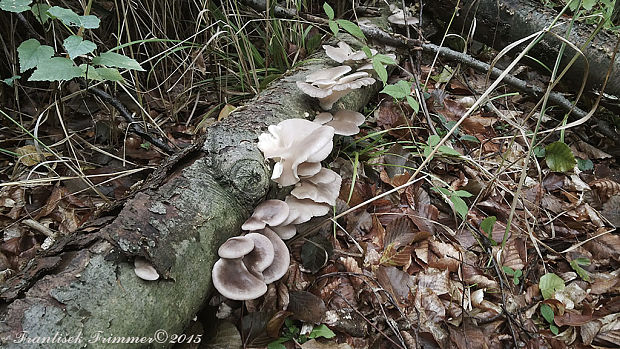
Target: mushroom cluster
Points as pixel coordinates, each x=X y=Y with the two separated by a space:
x=248 y=263
x=330 y=84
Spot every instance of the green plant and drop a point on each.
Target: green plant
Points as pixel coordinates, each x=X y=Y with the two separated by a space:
x=516 y=274
x=48 y=65
x=292 y=332
x=549 y=284
x=455 y=196
x=576 y=265
x=443 y=150
x=487 y=227
x=402 y=90
x=548 y=315
x=559 y=157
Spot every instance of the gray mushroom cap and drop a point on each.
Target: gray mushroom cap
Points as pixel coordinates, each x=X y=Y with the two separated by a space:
x=281 y=259
x=236 y=247
x=268 y=212
x=261 y=257
x=398 y=18
x=323 y=187
x=329 y=85
x=344 y=53
x=234 y=281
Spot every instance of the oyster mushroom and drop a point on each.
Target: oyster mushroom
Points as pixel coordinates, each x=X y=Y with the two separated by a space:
x=268 y=212
x=344 y=53
x=294 y=142
x=323 y=187
x=144 y=270
x=398 y=18
x=300 y=211
x=344 y=122
x=281 y=258
x=329 y=85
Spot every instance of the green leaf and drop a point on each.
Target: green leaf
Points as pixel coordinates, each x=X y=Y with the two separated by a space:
x=11 y=80
x=380 y=69
x=413 y=104
x=487 y=224
x=469 y=138
x=444 y=191
x=394 y=91
x=539 y=152
x=352 y=28
x=321 y=331
x=508 y=270
x=72 y=19
x=547 y=313
x=31 y=53
x=77 y=46
x=334 y=27
x=276 y=345
x=56 y=69
x=459 y=206
x=583 y=274
x=15 y=6
x=584 y=165
x=554 y=329
x=40 y=12
x=100 y=74
x=385 y=59
x=366 y=50
x=582 y=261
x=588 y=4
x=559 y=157
x=113 y=59
x=463 y=194
x=444 y=149
x=329 y=11
x=549 y=283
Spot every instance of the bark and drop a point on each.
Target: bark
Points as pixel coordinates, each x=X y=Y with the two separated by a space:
x=499 y=23
x=86 y=285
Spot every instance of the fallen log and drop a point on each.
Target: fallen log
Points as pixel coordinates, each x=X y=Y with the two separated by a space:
x=83 y=291
x=500 y=23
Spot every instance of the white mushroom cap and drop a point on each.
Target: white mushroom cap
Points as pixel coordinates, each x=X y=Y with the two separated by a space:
x=236 y=247
x=293 y=142
x=345 y=122
x=323 y=187
x=281 y=260
x=268 y=212
x=144 y=270
x=285 y=232
x=329 y=85
x=344 y=53
x=308 y=169
x=234 y=281
x=302 y=210
x=398 y=18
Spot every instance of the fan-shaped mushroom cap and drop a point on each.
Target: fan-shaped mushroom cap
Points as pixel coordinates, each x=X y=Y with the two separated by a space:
x=144 y=270
x=302 y=210
x=285 y=232
x=329 y=85
x=293 y=142
x=236 y=247
x=345 y=122
x=398 y=18
x=261 y=257
x=323 y=187
x=281 y=259
x=268 y=212
x=344 y=53
x=308 y=169
x=234 y=281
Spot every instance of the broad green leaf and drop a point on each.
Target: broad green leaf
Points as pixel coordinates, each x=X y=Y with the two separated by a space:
x=559 y=157
x=547 y=313
x=15 y=6
x=394 y=91
x=487 y=224
x=11 y=80
x=100 y=74
x=508 y=270
x=113 y=59
x=321 y=331
x=329 y=11
x=444 y=191
x=549 y=283
x=459 y=206
x=352 y=28
x=444 y=149
x=380 y=69
x=433 y=140
x=334 y=27
x=385 y=59
x=576 y=265
x=463 y=194
x=469 y=138
x=413 y=104
x=77 y=46
x=588 y=4
x=584 y=165
x=31 y=53
x=554 y=329
x=40 y=12
x=56 y=69
x=72 y=19
x=366 y=50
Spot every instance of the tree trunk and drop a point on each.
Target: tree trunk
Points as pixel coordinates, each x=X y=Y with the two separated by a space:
x=85 y=286
x=499 y=23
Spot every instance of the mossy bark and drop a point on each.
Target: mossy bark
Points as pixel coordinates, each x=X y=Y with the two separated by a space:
x=88 y=288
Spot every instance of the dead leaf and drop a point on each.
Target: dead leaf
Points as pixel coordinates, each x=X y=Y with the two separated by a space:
x=306 y=307
x=395 y=281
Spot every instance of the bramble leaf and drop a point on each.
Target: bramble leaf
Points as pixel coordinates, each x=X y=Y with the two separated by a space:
x=15 y=6
x=56 y=69
x=77 y=46
x=113 y=59
x=31 y=53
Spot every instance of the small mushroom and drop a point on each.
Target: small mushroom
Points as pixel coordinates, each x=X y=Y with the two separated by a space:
x=294 y=142
x=398 y=18
x=323 y=187
x=236 y=247
x=344 y=53
x=144 y=270
x=281 y=259
x=329 y=85
x=344 y=122
x=269 y=212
